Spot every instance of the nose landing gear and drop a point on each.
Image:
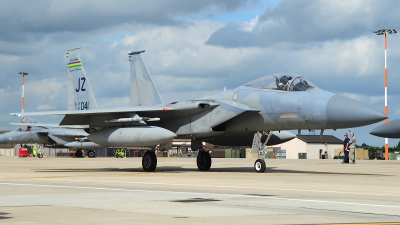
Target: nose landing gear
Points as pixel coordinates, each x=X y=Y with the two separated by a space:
x=259 y=146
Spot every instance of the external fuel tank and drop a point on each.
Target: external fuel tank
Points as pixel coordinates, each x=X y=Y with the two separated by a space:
x=139 y=136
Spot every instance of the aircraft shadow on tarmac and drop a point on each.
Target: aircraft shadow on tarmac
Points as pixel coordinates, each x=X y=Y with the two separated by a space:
x=174 y=169
x=3 y=217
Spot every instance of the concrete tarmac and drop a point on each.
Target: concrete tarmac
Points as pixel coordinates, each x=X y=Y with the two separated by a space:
x=117 y=191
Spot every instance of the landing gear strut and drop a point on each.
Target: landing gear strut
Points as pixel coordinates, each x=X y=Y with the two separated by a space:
x=259 y=146
x=203 y=160
x=149 y=161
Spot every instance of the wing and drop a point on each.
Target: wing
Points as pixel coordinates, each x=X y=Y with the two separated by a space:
x=52 y=132
x=129 y=115
x=232 y=113
x=48 y=125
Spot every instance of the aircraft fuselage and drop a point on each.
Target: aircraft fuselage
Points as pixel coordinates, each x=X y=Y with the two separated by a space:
x=272 y=110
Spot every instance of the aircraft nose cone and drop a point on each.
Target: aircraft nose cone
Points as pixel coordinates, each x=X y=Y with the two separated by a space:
x=388 y=130
x=344 y=112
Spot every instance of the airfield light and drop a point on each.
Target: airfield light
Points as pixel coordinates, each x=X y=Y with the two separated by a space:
x=386 y=32
x=23 y=74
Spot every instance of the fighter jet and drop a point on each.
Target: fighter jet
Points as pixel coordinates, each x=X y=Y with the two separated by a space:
x=388 y=130
x=51 y=135
x=54 y=135
x=246 y=115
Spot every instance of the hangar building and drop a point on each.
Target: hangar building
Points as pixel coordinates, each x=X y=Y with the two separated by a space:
x=311 y=147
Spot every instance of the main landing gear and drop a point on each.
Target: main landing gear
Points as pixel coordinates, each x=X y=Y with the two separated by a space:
x=149 y=161
x=79 y=153
x=91 y=154
x=259 y=147
x=203 y=160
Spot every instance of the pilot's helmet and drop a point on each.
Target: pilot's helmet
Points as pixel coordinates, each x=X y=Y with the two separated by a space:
x=280 y=85
x=289 y=78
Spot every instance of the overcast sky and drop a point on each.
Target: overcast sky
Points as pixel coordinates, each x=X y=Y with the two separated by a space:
x=196 y=48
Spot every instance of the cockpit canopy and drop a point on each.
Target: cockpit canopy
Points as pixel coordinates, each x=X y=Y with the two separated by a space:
x=284 y=82
x=28 y=128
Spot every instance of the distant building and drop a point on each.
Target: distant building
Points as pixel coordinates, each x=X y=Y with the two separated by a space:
x=6 y=149
x=310 y=147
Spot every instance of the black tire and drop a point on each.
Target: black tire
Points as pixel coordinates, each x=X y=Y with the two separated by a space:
x=259 y=166
x=149 y=161
x=91 y=154
x=203 y=161
x=79 y=153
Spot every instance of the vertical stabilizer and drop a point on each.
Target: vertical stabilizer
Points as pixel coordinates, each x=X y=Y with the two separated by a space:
x=71 y=92
x=80 y=94
x=143 y=90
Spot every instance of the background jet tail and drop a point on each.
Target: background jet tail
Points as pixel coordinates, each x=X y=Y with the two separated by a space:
x=80 y=94
x=143 y=90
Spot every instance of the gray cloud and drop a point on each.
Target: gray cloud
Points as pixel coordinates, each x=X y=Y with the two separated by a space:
x=21 y=20
x=294 y=22
x=29 y=27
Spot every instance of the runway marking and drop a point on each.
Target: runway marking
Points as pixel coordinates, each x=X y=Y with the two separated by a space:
x=202 y=194
x=216 y=186
x=383 y=223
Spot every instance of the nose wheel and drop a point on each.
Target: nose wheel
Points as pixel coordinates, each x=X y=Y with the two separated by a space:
x=259 y=166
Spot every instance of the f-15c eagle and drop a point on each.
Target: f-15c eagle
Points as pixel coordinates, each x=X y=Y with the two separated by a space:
x=248 y=115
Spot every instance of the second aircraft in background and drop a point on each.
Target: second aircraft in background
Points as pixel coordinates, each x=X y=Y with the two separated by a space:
x=54 y=135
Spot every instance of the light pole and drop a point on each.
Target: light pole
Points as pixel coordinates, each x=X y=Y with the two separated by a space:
x=23 y=74
x=386 y=32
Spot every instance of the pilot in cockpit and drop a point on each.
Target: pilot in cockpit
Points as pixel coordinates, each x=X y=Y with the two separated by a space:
x=29 y=128
x=282 y=82
x=287 y=83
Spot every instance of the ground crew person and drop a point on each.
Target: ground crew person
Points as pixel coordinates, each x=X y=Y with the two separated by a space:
x=34 y=151
x=352 y=146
